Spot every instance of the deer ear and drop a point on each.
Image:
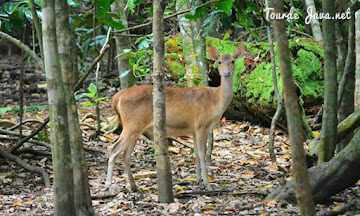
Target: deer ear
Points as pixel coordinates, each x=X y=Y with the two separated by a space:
x=213 y=53
x=240 y=51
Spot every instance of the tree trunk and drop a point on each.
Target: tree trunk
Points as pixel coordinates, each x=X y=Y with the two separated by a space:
x=61 y=154
x=188 y=31
x=293 y=116
x=328 y=131
x=347 y=84
x=122 y=43
x=315 y=24
x=279 y=108
x=357 y=75
x=328 y=178
x=83 y=204
x=164 y=178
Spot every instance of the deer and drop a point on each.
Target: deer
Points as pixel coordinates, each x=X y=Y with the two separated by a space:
x=192 y=111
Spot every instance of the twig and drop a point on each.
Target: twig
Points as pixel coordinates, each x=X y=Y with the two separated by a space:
x=31 y=135
x=301 y=33
x=29 y=141
x=168 y=16
x=5 y=154
x=217 y=193
x=107 y=196
x=91 y=126
x=184 y=144
x=26 y=49
x=32 y=151
x=91 y=68
x=26 y=121
x=253 y=30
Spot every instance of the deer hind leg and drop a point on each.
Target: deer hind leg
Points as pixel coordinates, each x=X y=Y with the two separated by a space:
x=201 y=139
x=121 y=146
x=126 y=158
x=198 y=169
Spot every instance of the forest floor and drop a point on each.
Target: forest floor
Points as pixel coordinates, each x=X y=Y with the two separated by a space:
x=241 y=172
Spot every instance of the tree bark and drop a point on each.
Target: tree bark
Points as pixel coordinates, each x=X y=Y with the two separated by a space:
x=293 y=116
x=83 y=203
x=315 y=24
x=188 y=31
x=279 y=108
x=357 y=75
x=347 y=84
x=122 y=43
x=328 y=131
x=59 y=134
x=37 y=26
x=328 y=178
x=164 y=178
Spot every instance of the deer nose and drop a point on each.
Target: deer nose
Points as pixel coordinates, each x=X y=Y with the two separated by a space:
x=226 y=73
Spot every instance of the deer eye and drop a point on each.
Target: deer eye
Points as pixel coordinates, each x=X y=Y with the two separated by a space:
x=233 y=61
x=219 y=62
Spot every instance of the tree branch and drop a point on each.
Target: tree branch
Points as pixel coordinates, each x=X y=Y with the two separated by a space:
x=5 y=154
x=23 y=47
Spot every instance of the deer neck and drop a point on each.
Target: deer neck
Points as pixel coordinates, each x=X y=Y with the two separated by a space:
x=225 y=92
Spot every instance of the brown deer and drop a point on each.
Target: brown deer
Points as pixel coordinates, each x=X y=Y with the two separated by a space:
x=189 y=112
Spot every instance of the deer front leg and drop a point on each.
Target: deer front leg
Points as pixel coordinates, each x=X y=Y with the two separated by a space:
x=197 y=168
x=201 y=139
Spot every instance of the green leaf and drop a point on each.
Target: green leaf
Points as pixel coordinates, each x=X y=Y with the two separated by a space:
x=73 y=3
x=199 y=13
x=132 y=62
x=8 y=7
x=226 y=36
x=112 y=23
x=43 y=138
x=101 y=99
x=5 y=110
x=37 y=2
x=225 y=6
x=88 y=103
x=102 y=7
x=131 y=5
x=28 y=14
x=124 y=74
x=92 y=90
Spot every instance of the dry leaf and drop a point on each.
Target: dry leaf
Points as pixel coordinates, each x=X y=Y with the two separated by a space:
x=229 y=208
x=174 y=150
x=336 y=208
x=208 y=208
x=271 y=203
x=17 y=203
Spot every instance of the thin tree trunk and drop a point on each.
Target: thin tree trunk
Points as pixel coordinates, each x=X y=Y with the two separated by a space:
x=279 y=108
x=293 y=116
x=347 y=84
x=187 y=30
x=37 y=26
x=357 y=75
x=59 y=134
x=164 y=178
x=82 y=195
x=122 y=43
x=315 y=24
x=328 y=131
